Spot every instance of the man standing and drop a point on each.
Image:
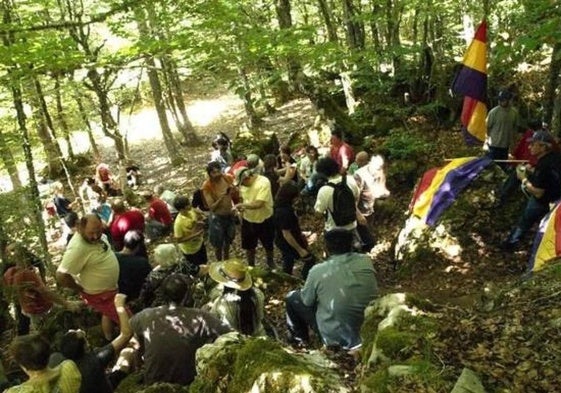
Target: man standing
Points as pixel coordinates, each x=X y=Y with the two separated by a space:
x=90 y=268
x=217 y=191
x=542 y=184
x=371 y=182
x=170 y=335
x=334 y=296
x=324 y=202
x=257 y=214
x=503 y=122
x=341 y=151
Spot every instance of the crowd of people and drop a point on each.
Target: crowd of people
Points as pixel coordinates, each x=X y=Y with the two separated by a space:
x=149 y=312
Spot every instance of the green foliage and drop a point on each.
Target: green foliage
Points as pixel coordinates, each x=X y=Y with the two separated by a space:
x=395 y=343
x=404 y=145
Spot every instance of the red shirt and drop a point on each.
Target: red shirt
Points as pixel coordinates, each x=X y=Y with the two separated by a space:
x=131 y=220
x=342 y=153
x=522 y=150
x=159 y=211
x=25 y=282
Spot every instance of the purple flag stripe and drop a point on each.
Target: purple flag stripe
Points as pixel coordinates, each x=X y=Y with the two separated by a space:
x=470 y=139
x=454 y=183
x=471 y=83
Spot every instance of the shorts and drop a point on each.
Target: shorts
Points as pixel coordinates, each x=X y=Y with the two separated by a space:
x=198 y=258
x=253 y=232
x=103 y=303
x=221 y=230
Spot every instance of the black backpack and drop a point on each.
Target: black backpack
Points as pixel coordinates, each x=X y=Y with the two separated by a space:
x=344 y=204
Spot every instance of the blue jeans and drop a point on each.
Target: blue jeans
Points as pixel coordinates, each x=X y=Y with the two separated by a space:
x=533 y=213
x=299 y=317
x=499 y=153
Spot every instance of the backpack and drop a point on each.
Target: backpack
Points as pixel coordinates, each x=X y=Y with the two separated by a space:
x=344 y=204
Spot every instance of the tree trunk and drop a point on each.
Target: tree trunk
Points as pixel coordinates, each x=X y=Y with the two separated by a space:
x=9 y=162
x=354 y=29
x=156 y=88
x=86 y=121
x=252 y=119
x=52 y=151
x=61 y=118
x=552 y=87
x=34 y=191
x=284 y=17
x=108 y=124
x=173 y=82
x=327 y=15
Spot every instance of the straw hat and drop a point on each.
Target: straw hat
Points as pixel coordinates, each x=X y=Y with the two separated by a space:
x=231 y=273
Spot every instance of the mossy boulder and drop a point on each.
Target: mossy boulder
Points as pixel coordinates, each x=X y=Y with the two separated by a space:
x=236 y=364
x=397 y=338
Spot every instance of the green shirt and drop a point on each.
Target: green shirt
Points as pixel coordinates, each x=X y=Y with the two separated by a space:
x=341 y=288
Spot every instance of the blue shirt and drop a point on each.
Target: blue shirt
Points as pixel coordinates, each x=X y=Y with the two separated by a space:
x=341 y=288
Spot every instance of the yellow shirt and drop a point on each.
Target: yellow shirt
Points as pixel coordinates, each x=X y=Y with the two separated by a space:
x=94 y=266
x=186 y=225
x=65 y=378
x=260 y=190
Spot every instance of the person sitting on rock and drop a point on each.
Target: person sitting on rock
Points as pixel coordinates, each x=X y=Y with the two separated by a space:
x=168 y=197
x=124 y=220
x=93 y=363
x=334 y=296
x=235 y=301
x=170 y=335
x=542 y=184
x=133 y=268
x=158 y=219
x=188 y=233
x=32 y=353
x=104 y=179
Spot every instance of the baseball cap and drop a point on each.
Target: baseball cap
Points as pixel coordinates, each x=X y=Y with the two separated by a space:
x=542 y=136
x=242 y=174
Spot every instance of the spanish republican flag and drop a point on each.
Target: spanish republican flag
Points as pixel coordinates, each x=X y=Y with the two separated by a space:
x=547 y=244
x=439 y=187
x=471 y=82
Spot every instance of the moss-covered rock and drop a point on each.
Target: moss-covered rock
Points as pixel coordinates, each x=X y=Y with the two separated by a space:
x=235 y=364
x=397 y=340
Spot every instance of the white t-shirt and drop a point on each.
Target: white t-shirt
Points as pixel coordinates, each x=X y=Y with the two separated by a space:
x=324 y=201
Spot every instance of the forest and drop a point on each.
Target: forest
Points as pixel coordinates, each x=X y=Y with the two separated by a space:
x=380 y=69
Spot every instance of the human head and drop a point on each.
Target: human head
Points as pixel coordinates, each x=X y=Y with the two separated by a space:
x=90 y=228
x=166 y=255
x=118 y=206
x=159 y=189
x=71 y=219
x=181 y=202
x=231 y=273
x=362 y=158
x=214 y=170
x=327 y=166
x=31 y=352
x=287 y=193
x=269 y=162
x=504 y=97
x=73 y=344
x=90 y=181
x=147 y=195
x=253 y=161
x=312 y=152
x=132 y=240
x=177 y=288
x=541 y=143
x=57 y=187
x=338 y=241
x=336 y=135
x=244 y=176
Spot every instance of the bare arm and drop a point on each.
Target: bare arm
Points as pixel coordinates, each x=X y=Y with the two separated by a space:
x=125 y=332
x=66 y=280
x=293 y=243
